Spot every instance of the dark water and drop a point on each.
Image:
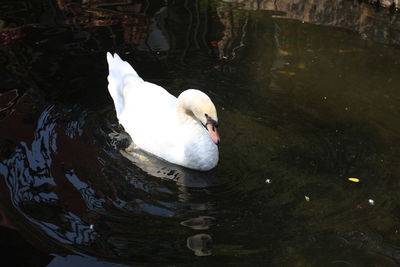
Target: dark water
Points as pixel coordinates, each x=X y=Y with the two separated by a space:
x=307 y=95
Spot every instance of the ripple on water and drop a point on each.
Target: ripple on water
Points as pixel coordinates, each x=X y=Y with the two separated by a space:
x=105 y=200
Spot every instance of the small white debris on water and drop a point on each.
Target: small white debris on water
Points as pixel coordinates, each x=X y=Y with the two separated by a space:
x=371 y=201
x=91 y=227
x=268 y=181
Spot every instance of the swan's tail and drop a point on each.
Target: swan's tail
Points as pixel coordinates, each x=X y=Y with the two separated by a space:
x=119 y=73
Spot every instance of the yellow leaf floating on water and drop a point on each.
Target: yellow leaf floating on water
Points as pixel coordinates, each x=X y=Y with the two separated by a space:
x=301 y=66
x=348 y=50
x=345 y=50
x=284 y=72
x=355 y=180
x=284 y=52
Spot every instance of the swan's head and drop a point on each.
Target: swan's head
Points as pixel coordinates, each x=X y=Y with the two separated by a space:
x=198 y=105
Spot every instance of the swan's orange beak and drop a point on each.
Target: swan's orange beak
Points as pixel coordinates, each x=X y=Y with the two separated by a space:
x=212 y=129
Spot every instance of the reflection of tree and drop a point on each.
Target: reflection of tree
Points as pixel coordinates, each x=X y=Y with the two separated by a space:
x=136 y=25
x=233 y=33
x=379 y=26
x=9 y=35
x=15 y=19
x=142 y=22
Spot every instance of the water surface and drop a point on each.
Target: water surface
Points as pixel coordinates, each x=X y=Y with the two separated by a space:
x=307 y=97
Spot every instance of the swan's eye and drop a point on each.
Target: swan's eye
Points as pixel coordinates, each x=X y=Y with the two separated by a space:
x=213 y=123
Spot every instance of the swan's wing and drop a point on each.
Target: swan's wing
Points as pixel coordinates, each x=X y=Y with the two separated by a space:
x=150 y=108
x=120 y=74
x=146 y=110
x=149 y=118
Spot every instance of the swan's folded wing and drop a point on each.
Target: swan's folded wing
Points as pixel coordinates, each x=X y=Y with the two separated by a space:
x=120 y=75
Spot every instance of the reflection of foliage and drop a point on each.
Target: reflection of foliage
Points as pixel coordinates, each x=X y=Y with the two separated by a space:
x=358 y=16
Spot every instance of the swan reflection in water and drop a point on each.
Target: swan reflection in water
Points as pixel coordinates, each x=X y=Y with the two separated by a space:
x=185 y=178
x=76 y=183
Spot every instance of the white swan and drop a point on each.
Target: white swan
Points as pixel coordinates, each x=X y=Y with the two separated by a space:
x=180 y=130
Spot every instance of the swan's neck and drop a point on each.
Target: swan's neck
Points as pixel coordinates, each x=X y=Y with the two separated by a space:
x=184 y=112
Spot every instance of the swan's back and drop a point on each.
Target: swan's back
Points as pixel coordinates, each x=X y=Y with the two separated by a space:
x=120 y=72
x=125 y=86
x=146 y=110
